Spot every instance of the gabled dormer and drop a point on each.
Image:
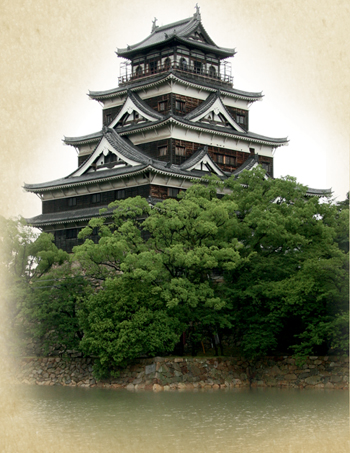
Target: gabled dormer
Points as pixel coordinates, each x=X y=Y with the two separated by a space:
x=134 y=111
x=201 y=161
x=213 y=111
x=112 y=152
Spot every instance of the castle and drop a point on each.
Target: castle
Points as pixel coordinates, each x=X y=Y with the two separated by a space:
x=174 y=118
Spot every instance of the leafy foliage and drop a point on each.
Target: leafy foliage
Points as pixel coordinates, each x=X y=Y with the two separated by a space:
x=123 y=321
x=264 y=266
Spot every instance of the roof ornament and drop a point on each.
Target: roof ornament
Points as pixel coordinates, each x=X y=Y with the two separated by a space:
x=154 y=26
x=197 y=14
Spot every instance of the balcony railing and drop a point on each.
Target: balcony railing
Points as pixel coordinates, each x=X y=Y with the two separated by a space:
x=194 y=73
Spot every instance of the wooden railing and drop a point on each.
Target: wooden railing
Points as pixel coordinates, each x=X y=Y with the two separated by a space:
x=194 y=73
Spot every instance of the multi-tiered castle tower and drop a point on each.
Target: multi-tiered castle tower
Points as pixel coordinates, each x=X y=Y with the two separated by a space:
x=173 y=118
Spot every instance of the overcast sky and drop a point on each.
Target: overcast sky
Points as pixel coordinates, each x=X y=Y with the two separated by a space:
x=54 y=51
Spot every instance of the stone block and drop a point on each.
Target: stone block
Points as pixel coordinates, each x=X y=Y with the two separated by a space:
x=157 y=388
x=313 y=380
x=334 y=379
x=290 y=377
x=150 y=368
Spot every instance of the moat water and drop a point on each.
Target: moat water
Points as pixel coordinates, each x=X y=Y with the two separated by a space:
x=238 y=420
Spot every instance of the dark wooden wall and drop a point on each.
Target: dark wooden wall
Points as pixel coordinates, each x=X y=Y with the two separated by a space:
x=108 y=115
x=85 y=201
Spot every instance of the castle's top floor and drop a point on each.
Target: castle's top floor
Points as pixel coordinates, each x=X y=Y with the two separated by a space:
x=182 y=46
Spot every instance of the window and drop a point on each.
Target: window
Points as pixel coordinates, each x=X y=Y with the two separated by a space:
x=197 y=67
x=162 y=150
x=96 y=198
x=180 y=105
x=162 y=106
x=252 y=150
x=173 y=193
x=227 y=160
x=72 y=201
x=72 y=233
x=139 y=71
x=266 y=166
x=108 y=118
x=120 y=194
x=111 y=157
x=180 y=151
x=230 y=160
x=167 y=64
x=183 y=64
x=212 y=71
x=240 y=119
x=153 y=65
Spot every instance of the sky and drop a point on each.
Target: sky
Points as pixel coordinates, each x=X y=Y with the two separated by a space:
x=54 y=51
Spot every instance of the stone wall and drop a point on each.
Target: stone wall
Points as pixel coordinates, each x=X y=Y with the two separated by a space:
x=191 y=372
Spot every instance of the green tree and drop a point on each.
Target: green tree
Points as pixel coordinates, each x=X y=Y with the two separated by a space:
x=41 y=289
x=123 y=321
x=184 y=247
x=292 y=294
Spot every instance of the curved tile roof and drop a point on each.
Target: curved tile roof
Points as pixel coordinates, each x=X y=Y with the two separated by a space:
x=179 y=31
x=89 y=138
x=125 y=147
x=318 y=192
x=196 y=157
x=203 y=106
x=211 y=84
x=68 y=216
x=145 y=108
x=181 y=121
x=249 y=164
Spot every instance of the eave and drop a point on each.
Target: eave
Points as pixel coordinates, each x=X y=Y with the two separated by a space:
x=95 y=137
x=247 y=137
x=142 y=84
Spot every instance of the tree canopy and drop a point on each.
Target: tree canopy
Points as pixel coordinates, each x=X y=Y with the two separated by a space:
x=262 y=267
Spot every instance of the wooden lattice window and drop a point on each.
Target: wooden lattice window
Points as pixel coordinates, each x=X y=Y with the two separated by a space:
x=180 y=151
x=162 y=151
x=162 y=106
x=96 y=198
x=72 y=201
x=173 y=193
x=120 y=194
x=180 y=105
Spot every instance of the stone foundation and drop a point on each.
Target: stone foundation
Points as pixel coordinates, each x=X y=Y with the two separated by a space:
x=191 y=373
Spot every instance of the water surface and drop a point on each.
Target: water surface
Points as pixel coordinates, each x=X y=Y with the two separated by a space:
x=239 y=420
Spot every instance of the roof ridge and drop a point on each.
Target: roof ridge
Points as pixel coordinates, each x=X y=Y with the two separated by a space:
x=143 y=105
x=196 y=156
x=179 y=22
x=128 y=147
x=203 y=106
